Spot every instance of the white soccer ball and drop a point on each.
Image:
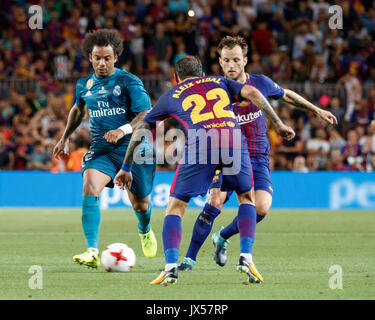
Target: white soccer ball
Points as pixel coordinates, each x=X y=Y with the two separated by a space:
x=118 y=257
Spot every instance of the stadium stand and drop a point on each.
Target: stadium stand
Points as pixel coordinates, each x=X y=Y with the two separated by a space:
x=290 y=42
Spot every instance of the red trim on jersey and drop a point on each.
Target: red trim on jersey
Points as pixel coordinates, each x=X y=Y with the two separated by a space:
x=256 y=129
x=175 y=177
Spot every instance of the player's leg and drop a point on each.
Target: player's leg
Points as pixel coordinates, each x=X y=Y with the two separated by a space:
x=190 y=180
x=139 y=195
x=203 y=226
x=247 y=225
x=263 y=194
x=243 y=183
x=172 y=234
x=220 y=238
x=93 y=183
x=142 y=209
x=262 y=185
x=263 y=202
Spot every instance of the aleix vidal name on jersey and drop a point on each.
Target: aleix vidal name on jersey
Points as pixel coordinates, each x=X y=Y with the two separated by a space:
x=105 y=110
x=247 y=118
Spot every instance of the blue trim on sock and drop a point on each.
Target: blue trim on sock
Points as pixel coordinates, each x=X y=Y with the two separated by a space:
x=246 y=245
x=171 y=255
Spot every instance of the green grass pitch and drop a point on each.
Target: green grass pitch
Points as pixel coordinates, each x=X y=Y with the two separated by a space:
x=294 y=250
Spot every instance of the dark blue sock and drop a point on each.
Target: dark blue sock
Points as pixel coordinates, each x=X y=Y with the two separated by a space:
x=202 y=228
x=260 y=218
x=230 y=230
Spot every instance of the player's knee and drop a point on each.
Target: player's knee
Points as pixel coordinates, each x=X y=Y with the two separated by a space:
x=90 y=189
x=216 y=198
x=215 y=202
x=262 y=210
x=246 y=198
x=141 y=207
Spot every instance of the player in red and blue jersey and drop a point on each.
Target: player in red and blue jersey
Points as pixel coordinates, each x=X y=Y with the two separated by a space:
x=252 y=120
x=204 y=105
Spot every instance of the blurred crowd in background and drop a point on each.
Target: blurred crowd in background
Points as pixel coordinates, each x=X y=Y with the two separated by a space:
x=289 y=41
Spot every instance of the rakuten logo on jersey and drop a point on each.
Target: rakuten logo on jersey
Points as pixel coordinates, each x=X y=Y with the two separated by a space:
x=247 y=118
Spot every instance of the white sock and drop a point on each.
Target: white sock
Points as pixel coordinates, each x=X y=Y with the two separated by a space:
x=94 y=249
x=248 y=257
x=170 y=266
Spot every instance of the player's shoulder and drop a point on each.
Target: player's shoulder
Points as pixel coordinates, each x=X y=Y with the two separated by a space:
x=126 y=76
x=262 y=81
x=84 y=80
x=260 y=78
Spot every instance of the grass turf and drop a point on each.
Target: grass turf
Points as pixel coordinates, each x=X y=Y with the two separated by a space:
x=293 y=250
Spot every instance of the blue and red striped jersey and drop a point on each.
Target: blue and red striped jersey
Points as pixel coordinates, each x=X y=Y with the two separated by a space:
x=251 y=119
x=202 y=104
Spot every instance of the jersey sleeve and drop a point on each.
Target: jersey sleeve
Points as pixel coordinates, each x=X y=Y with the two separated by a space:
x=234 y=88
x=139 y=98
x=79 y=100
x=159 y=110
x=272 y=88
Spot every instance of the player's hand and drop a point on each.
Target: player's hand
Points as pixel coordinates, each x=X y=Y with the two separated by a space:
x=327 y=116
x=285 y=131
x=60 y=149
x=123 y=179
x=112 y=136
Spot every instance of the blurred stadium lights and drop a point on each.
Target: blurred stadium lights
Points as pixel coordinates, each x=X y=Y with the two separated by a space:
x=191 y=13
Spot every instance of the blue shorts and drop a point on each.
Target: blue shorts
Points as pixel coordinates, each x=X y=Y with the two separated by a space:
x=110 y=163
x=261 y=173
x=192 y=180
x=261 y=176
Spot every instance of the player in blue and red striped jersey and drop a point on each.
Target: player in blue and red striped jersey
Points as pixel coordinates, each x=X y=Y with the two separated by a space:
x=252 y=120
x=204 y=105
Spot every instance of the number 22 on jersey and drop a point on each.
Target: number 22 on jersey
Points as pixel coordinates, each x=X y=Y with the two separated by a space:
x=198 y=103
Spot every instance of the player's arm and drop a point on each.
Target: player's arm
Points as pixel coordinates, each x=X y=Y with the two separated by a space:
x=115 y=135
x=301 y=103
x=124 y=177
x=140 y=104
x=255 y=96
x=75 y=117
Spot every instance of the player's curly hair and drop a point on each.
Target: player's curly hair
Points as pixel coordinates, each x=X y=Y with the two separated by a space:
x=188 y=66
x=102 y=38
x=230 y=42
